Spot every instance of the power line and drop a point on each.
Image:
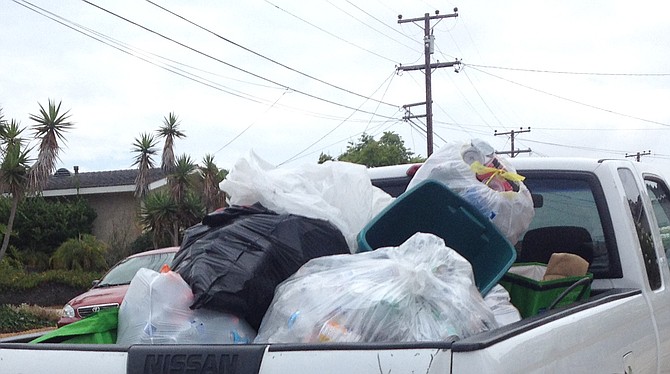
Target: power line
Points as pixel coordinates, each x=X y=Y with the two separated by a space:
x=133 y=51
x=571 y=100
x=482 y=98
x=349 y=138
x=384 y=23
x=368 y=26
x=264 y=57
x=592 y=149
x=331 y=131
x=572 y=72
x=251 y=124
x=383 y=95
x=226 y=63
x=137 y=53
x=129 y=51
x=330 y=33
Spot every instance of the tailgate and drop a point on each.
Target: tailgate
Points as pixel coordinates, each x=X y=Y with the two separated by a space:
x=228 y=359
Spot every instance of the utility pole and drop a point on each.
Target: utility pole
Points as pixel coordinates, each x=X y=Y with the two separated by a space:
x=428 y=44
x=639 y=154
x=512 y=133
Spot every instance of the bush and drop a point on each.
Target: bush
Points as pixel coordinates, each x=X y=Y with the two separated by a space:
x=84 y=253
x=33 y=260
x=25 y=317
x=41 y=225
x=144 y=243
x=13 y=279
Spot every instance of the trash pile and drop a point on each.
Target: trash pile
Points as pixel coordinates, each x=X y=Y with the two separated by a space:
x=289 y=259
x=484 y=179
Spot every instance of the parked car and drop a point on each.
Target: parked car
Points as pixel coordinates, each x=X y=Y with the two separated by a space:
x=109 y=291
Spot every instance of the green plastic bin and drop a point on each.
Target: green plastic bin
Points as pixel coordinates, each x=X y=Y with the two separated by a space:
x=431 y=207
x=531 y=296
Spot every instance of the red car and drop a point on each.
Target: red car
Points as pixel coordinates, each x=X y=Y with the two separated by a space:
x=110 y=290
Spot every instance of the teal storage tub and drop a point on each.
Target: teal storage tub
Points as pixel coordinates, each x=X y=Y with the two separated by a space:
x=431 y=207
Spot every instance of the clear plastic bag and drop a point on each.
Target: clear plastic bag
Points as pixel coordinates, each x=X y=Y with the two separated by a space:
x=419 y=291
x=156 y=310
x=508 y=204
x=338 y=192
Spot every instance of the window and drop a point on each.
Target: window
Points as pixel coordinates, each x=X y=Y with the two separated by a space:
x=569 y=200
x=642 y=227
x=660 y=201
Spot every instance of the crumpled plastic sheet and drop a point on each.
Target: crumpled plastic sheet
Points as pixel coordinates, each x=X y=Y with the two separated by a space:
x=419 y=291
x=338 y=192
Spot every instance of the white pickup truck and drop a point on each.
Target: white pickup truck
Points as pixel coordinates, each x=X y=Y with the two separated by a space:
x=623 y=327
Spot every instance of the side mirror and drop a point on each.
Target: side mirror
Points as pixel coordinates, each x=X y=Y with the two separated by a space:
x=95 y=282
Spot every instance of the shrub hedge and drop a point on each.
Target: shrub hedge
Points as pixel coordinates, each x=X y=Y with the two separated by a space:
x=24 y=317
x=13 y=279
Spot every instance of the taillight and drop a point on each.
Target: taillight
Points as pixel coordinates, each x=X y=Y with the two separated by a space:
x=412 y=170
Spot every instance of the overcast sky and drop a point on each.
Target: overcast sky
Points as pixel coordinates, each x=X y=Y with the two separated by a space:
x=291 y=79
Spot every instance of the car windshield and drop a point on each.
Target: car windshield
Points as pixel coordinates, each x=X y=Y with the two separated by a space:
x=125 y=270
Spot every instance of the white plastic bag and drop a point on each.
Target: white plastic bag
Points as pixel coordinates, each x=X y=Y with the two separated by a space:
x=419 y=291
x=511 y=212
x=156 y=310
x=501 y=305
x=338 y=192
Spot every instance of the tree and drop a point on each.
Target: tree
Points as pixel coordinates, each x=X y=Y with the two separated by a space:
x=50 y=128
x=144 y=146
x=170 y=131
x=213 y=197
x=13 y=173
x=179 y=182
x=389 y=150
x=17 y=178
x=157 y=214
x=166 y=213
x=323 y=157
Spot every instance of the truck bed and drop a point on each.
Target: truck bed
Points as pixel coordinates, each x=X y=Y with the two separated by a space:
x=428 y=357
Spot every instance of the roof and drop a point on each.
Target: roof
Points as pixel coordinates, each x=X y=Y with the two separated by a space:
x=64 y=182
x=156 y=251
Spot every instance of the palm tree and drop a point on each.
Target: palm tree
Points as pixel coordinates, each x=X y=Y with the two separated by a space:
x=13 y=172
x=191 y=210
x=145 y=147
x=179 y=182
x=10 y=134
x=213 y=197
x=50 y=128
x=170 y=131
x=181 y=177
x=157 y=215
x=17 y=177
x=165 y=213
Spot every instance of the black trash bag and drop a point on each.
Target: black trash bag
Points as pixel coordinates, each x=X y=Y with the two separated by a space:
x=236 y=257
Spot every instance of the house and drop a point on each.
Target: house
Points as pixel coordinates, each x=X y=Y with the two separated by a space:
x=111 y=195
